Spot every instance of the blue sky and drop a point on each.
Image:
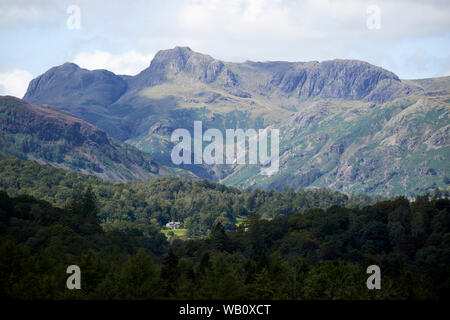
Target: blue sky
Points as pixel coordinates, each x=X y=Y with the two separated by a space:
x=410 y=38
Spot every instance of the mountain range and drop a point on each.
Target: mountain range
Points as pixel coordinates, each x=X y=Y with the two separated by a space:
x=344 y=124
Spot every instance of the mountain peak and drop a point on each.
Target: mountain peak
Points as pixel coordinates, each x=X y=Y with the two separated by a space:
x=179 y=55
x=70 y=65
x=167 y=63
x=181 y=48
x=175 y=59
x=62 y=85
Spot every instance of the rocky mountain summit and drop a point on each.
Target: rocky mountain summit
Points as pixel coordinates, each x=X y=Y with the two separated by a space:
x=343 y=79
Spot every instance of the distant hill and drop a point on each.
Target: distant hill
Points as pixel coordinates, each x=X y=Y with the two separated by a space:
x=58 y=138
x=344 y=124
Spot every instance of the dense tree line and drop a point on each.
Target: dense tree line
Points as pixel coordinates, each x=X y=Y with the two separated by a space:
x=198 y=204
x=316 y=254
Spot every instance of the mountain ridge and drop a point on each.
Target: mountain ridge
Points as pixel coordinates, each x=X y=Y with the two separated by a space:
x=172 y=61
x=108 y=100
x=312 y=100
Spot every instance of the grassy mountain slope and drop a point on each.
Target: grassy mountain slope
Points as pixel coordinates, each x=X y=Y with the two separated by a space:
x=400 y=147
x=62 y=140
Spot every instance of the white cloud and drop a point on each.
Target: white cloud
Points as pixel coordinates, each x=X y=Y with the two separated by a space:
x=129 y=63
x=306 y=30
x=23 y=13
x=15 y=82
x=311 y=17
x=236 y=18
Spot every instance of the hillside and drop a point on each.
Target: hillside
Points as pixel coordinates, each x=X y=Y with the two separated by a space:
x=196 y=203
x=397 y=148
x=58 y=138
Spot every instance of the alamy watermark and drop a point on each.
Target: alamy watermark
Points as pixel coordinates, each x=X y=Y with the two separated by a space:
x=234 y=151
x=374 y=281
x=373 y=21
x=74 y=20
x=74 y=280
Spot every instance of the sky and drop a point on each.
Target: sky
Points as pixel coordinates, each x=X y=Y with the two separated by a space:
x=410 y=38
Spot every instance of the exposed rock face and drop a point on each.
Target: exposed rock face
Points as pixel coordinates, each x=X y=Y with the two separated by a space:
x=345 y=79
x=204 y=68
x=337 y=148
x=168 y=63
x=161 y=129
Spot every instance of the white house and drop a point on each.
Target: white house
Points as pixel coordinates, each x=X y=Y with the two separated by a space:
x=173 y=225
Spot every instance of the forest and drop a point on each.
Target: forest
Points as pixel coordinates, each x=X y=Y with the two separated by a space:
x=311 y=254
x=198 y=204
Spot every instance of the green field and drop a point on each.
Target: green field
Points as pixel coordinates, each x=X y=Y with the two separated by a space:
x=240 y=220
x=179 y=233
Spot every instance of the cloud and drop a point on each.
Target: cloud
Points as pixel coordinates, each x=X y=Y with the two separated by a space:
x=15 y=82
x=129 y=63
x=238 y=18
x=24 y=13
x=310 y=18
